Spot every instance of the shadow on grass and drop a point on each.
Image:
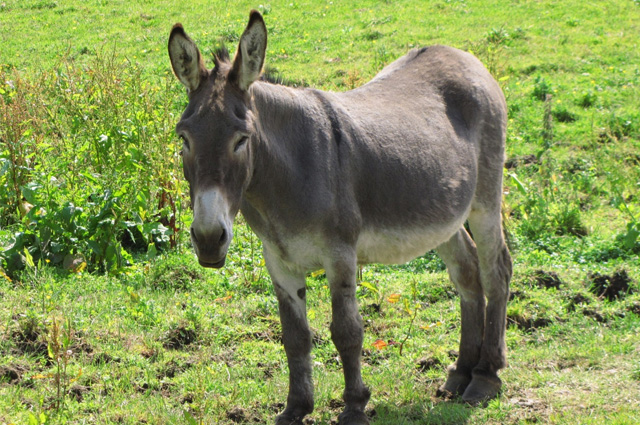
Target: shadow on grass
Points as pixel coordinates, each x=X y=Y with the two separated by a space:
x=443 y=412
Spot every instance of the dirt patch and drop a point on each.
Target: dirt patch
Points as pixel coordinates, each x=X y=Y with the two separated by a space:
x=611 y=287
x=373 y=309
x=173 y=368
x=336 y=404
x=276 y=407
x=244 y=416
x=533 y=410
x=188 y=399
x=577 y=300
x=30 y=337
x=179 y=337
x=78 y=392
x=237 y=415
x=149 y=353
x=12 y=373
x=590 y=312
x=104 y=358
x=518 y=161
x=525 y=402
x=634 y=308
x=516 y=295
x=428 y=363
x=143 y=388
x=547 y=280
x=79 y=345
x=530 y=323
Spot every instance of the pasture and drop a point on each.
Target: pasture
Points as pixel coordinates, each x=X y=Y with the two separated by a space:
x=106 y=317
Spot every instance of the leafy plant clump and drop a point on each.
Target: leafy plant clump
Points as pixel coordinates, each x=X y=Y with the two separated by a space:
x=89 y=165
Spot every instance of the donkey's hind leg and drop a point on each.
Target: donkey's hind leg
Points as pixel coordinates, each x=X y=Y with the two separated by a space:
x=495 y=273
x=460 y=256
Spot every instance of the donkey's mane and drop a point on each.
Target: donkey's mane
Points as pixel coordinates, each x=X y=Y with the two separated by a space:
x=270 y=75
x=273 y=76
x=221 y=56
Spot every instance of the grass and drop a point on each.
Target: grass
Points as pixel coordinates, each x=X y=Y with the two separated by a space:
x=142 y=334
x=211 y=350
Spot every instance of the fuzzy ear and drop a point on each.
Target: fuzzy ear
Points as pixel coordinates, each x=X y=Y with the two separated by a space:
x=249 y=59
x=186 y=59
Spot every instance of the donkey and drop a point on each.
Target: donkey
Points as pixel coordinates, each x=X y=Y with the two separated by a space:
x=382 y=173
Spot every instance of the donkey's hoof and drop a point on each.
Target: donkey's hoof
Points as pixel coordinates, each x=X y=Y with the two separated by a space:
x=457 y=383
x=353 y=417
x=483 y=387
x=288 y=420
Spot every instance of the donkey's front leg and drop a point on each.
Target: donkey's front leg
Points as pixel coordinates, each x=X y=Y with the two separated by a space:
x=296 y=337
x=347 y=335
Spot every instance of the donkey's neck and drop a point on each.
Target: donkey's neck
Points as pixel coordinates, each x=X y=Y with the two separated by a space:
x=290 y=149
x=280 y=112
x=286 y=121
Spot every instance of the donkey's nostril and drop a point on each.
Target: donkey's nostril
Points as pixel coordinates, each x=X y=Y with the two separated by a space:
x=210 y=238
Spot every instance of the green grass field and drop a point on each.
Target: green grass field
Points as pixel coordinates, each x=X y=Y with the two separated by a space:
x=105 y=316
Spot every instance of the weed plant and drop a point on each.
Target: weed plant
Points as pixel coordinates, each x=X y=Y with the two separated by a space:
x=89 y=165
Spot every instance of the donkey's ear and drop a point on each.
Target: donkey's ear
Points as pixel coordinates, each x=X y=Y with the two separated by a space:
x=250 y=55
x=186 y=59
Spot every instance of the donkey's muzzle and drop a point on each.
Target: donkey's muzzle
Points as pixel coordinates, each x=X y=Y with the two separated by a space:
x=211 y=230
x=211 y=245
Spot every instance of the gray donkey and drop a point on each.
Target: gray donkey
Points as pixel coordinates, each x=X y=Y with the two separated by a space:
x=382 y=173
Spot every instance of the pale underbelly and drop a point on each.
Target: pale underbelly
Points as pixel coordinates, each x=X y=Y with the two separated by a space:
x=380 y=245
x=397 y=246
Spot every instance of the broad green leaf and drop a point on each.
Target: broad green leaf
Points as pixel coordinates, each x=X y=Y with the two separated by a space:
x=190 y=419
x=370 y=287
x=152 y=252
x=33 y=420
x=28 y=258
x=631 y=236
x=521 y=188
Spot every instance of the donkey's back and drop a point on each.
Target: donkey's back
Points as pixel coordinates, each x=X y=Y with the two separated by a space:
x=424 y=143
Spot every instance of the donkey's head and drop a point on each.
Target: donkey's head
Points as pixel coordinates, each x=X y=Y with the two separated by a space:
x=217 y=130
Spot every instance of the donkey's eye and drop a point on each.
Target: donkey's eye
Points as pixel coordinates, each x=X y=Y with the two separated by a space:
x=240 y=144
x=185 y=143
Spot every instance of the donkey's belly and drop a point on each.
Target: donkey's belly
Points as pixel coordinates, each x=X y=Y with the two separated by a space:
x=397 y=246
